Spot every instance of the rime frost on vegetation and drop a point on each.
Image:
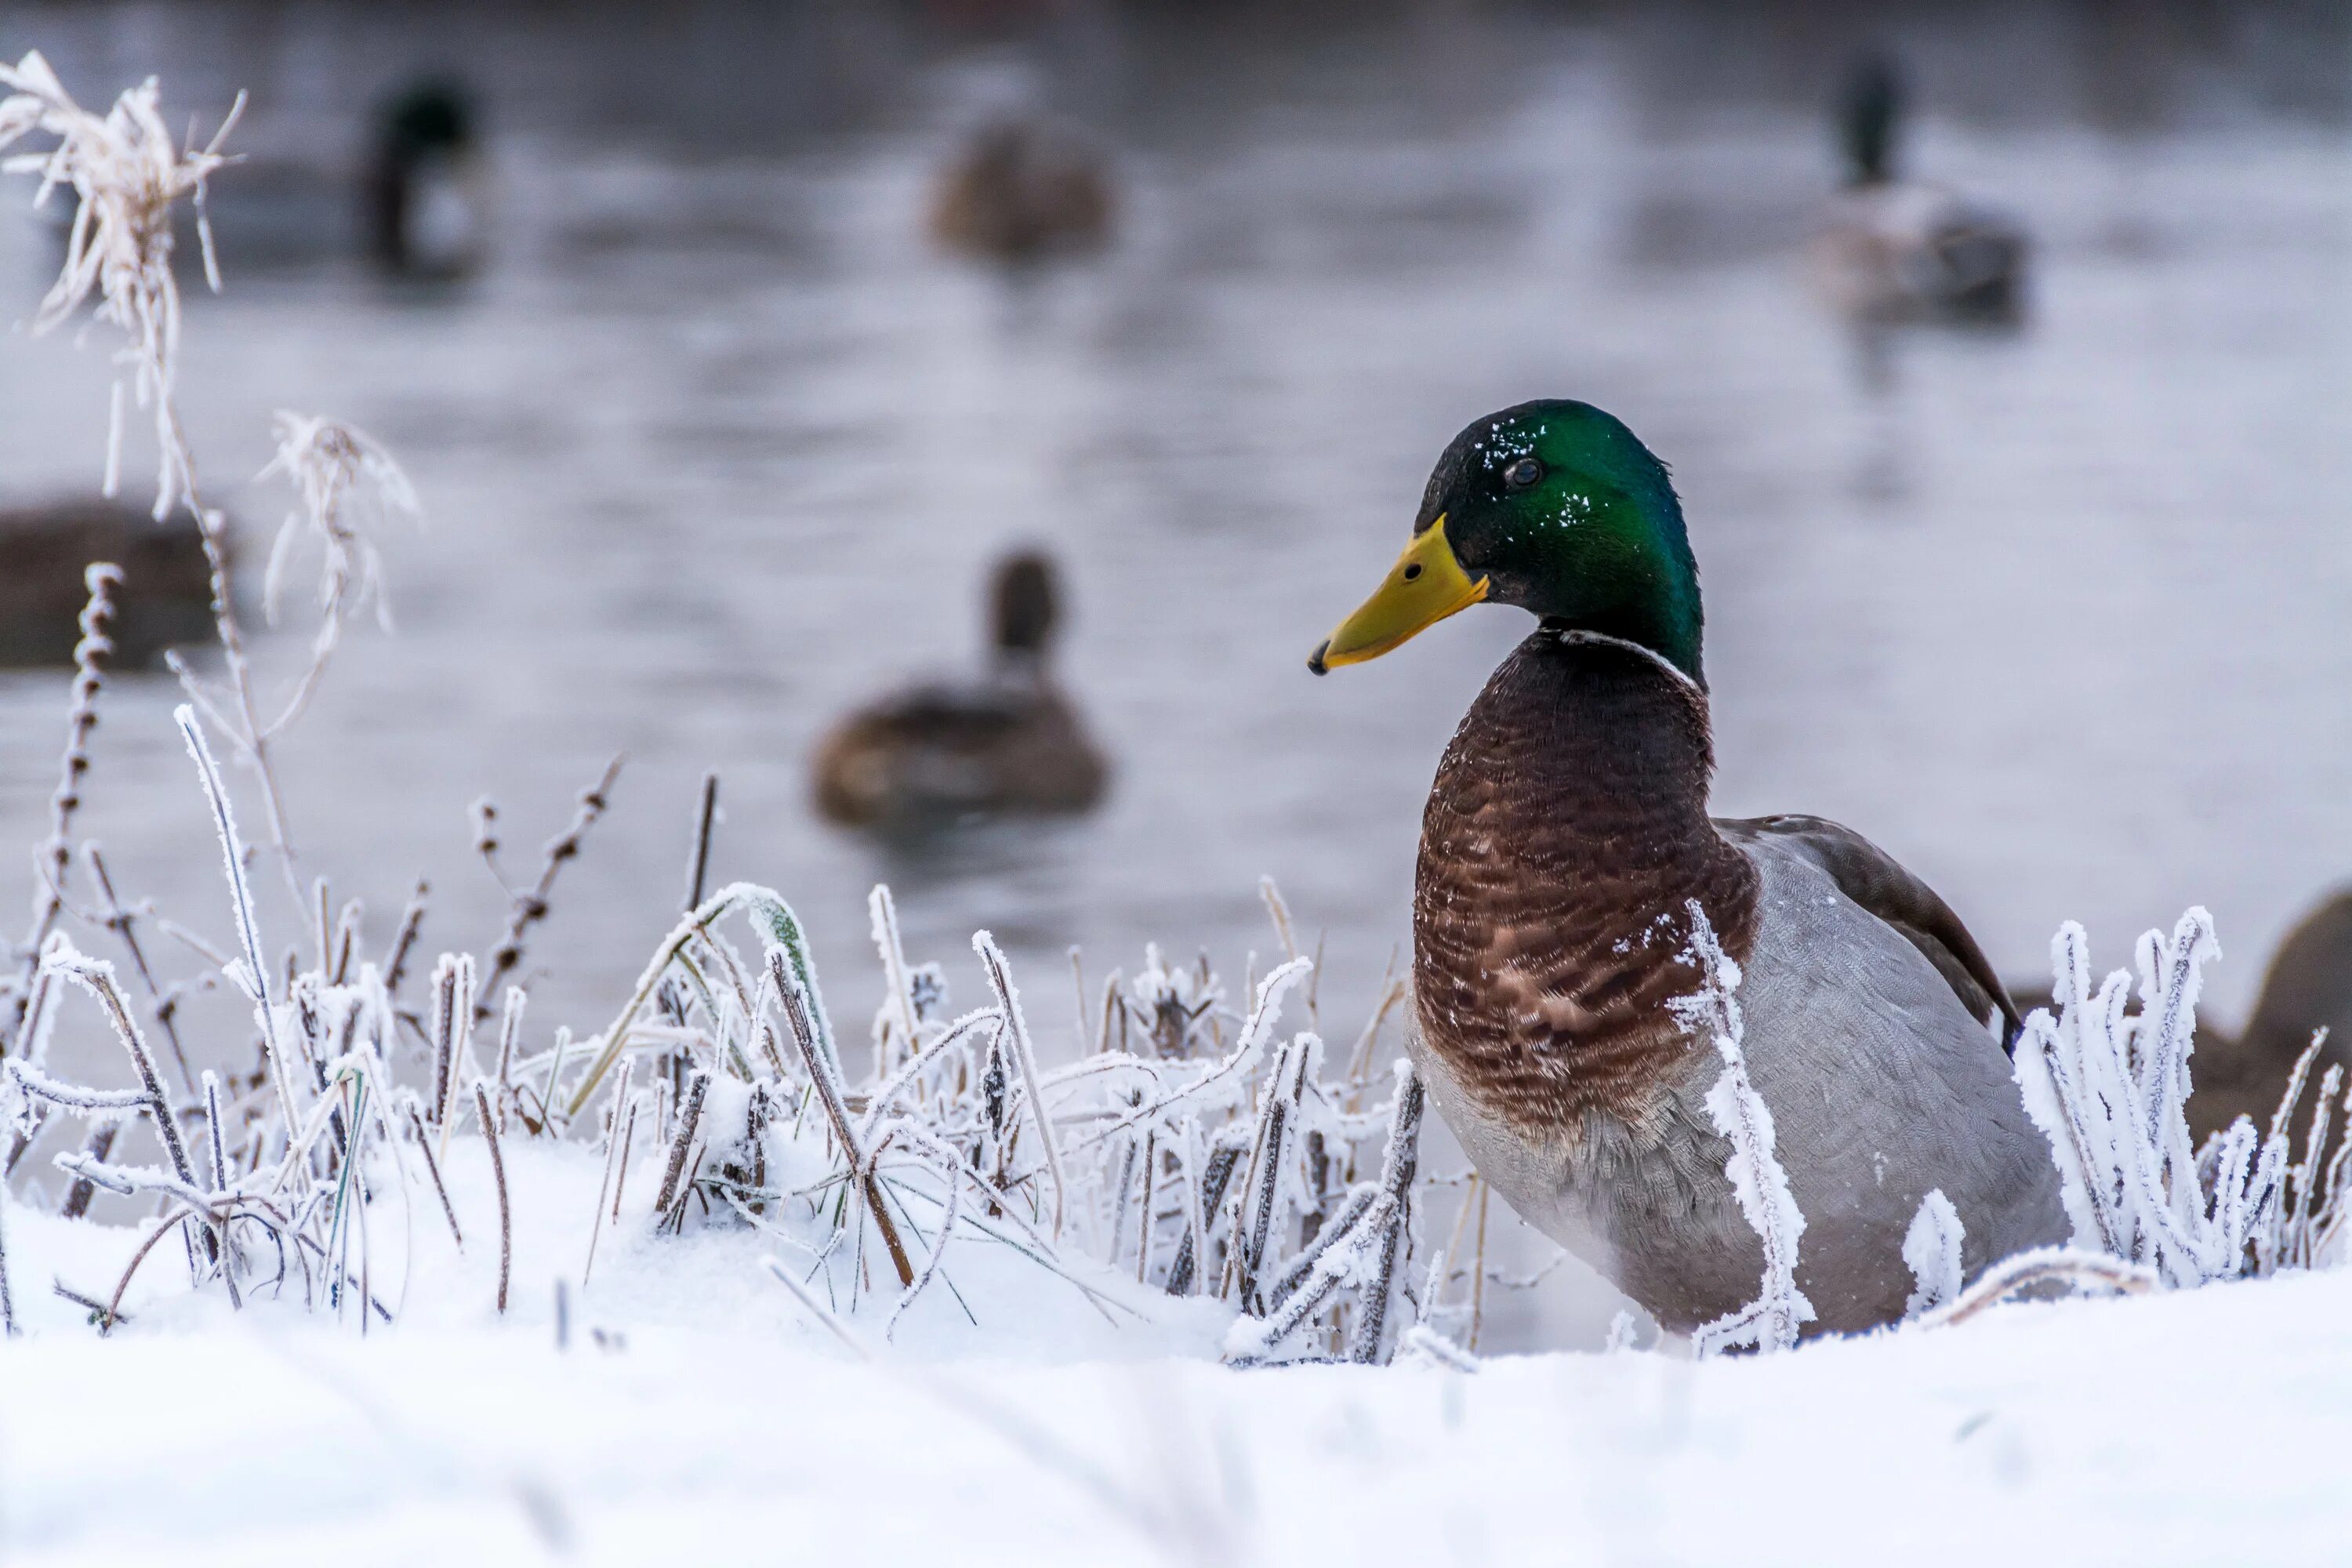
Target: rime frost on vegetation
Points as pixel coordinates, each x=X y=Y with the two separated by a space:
x=1771 y=1322
x=2109 y=1085
x=1932 y=1250
x=347 y=485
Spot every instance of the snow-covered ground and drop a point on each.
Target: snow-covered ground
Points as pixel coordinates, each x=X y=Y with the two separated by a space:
x=699 y=1416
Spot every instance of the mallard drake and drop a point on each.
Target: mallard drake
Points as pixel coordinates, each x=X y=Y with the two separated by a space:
x=165 y=598
x=1895 y=249
x=1567 y=836
x=2307 y=987
x=1020 y=190
x=1007 y=743
x=422 y=217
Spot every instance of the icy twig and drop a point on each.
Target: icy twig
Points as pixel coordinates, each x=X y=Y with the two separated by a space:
x=498 y=1173
x=30 y=1080
x=403 y=938
x=828 y=1093
x=433 y=1168
x=1932 y=1249
x=613 y=1155
x=453 y=1028
x=53 y=854
x=7 y=1300
x=1761 y=1186
x=689 y=1120
x=1400 y=1165
x=248 y=928
x=119 y=920
x=1000 y=979
x=529 y=909
x=96 y=977
x=2023 y=1270
x=897 y=983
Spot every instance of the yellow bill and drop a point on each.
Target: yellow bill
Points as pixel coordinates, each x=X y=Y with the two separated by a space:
x=1426 y=586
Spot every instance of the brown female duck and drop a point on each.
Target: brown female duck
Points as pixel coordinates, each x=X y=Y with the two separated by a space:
x=1020 y=192
x=1007 y=743
x=1566 y=838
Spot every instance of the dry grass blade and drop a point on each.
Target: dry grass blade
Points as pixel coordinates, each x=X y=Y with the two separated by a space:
x=499 y=1173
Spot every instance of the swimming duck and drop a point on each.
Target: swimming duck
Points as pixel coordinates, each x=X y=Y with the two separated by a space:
x=421 y=216
x=165 y=599
x=1009 y=743
x=1566 y=837
x=1903 y=249
x=1020 y=190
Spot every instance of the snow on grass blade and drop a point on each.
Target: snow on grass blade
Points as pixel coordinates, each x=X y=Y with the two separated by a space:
x=1932 y=1249
x=2109 y=1088
x=1771 y=1323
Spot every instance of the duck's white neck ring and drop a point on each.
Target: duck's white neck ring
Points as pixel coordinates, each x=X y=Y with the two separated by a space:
x=1574 y=635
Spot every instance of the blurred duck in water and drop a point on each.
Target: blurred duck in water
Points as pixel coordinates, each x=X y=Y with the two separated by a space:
x=1021 y=191
x=1007 y=743
x=165 y=598
x=2307 y=987
x=1899 y=249
x=423 y=218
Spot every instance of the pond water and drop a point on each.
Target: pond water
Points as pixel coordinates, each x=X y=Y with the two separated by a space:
x=716 y=444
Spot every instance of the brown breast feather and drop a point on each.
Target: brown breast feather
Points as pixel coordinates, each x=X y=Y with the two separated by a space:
x=1565 y=834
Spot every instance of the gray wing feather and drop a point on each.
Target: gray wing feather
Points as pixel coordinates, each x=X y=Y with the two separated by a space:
x=1878 y=882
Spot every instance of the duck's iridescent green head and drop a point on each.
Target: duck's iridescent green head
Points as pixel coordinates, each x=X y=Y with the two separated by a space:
x=1557 y=508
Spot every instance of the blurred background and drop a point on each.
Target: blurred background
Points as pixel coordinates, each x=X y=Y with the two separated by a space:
x=715 y=439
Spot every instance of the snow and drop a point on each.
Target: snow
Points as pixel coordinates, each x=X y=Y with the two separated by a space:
x=723 y=1425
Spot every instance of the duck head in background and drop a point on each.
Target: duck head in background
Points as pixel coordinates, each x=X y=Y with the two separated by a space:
x=424 y=209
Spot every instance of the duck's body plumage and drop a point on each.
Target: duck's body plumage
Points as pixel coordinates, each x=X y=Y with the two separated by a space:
x=1012 y=745
x=1909 y=251
x=1565 y=834
x=1024 y=191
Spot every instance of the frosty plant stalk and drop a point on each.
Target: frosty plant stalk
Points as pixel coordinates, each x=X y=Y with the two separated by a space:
x=1772 y=1320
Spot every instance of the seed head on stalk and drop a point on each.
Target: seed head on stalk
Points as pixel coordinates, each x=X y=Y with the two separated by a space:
x=126 y=172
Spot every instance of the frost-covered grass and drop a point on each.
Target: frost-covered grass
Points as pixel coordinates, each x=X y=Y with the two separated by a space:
x=398 y=1263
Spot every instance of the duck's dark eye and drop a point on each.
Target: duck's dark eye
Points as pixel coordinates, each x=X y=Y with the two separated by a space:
x=1523 y=473
x=1413 y=571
